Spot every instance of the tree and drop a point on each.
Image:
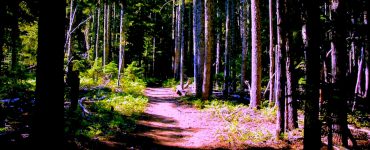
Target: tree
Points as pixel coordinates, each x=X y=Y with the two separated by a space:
x=233 y=40
x=121 y=53
x=209 y=47
x=367 y=55
x=97 y=32
x=2 y=35
x=15 y=42
x=225 y=91
x=256 y=55
x=271 y=52
x=198 y=45
x=338 y=105
x=311 y=38
x=105 y=30
x=291 y=108
x=177 y=42
x=49 y=75
x=244 y=32
x=280 y=67
x=2 y=14
x=182 y=43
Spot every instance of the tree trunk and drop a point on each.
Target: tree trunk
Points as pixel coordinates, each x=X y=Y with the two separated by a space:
x=358 y=89
x=182 y=43
x=68 y=41
x=108 y=36
x=177 y=43
x=92 y=45
x=2 y=35
x=271 y=52
x=15 y=40
x=338 y=55
x=97 y=32
x=367 y=54
x=218 y=27
x=233 y=38
x=198 y=45
x=292 y=121
x=209 y=47
x=49 y=76
x=121 y=53
x=256 y=55
x=244 y=32
x=104 y=34
x=311 y=38
x=280 y=68
x=227 y=48
x=87 y=38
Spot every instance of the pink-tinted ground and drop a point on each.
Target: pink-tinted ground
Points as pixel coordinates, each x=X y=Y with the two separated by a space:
x=169 y=124
x=177 y=125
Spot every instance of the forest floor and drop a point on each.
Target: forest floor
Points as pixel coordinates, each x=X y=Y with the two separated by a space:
x=168 y=122
x=171 y=124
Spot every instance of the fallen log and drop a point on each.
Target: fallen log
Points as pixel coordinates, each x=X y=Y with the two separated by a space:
x=10 y=100
x=83 y=108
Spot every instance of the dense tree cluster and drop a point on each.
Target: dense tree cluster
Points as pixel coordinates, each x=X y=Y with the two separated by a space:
x=308 y=54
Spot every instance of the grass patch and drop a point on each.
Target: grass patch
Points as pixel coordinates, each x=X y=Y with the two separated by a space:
x=112 y=116
x=359 y=119
x=170 y=83
x=113 y=109
x=244 y=126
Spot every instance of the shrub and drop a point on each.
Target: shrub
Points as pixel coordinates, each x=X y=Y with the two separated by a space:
x=170 y=83
x=111 y=70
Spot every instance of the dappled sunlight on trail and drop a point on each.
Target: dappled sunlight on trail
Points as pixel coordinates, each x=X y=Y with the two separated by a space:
x=170 y=123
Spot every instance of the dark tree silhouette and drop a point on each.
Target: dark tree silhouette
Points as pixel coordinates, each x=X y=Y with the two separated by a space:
x=48 y=117
x=311 y=38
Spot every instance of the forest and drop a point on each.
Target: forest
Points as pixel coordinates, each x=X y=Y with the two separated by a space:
x=184 y=74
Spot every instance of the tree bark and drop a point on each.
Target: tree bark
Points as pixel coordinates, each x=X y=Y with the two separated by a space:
x=271 y=53
x=367 y=54
x=49 y=76
x=121 y=53
x=71 y=20
x=280 y=68
x=104 y=34
x=209 y=47
x=198 y=46
x=233 y=38
x=108 y=36
x=338 y=70
x=218 y=27
x=2 y=14
x=256 y=55
x=227 y=49
x=97 y=32
x=2 y=35
x=15 y=41
x=292 y=121
x=177 y=43
x=244 y=32
x=311 y=38
x=182 y=43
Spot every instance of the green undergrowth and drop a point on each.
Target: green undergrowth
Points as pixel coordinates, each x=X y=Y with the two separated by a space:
x=113 y=109
x=170 y=83
x=243 y=125
x=359 y=119
x=109 y=117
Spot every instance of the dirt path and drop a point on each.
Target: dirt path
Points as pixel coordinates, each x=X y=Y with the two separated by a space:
x=169 y=124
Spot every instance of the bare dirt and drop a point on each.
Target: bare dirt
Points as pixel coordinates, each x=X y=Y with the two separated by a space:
x=172 y=124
